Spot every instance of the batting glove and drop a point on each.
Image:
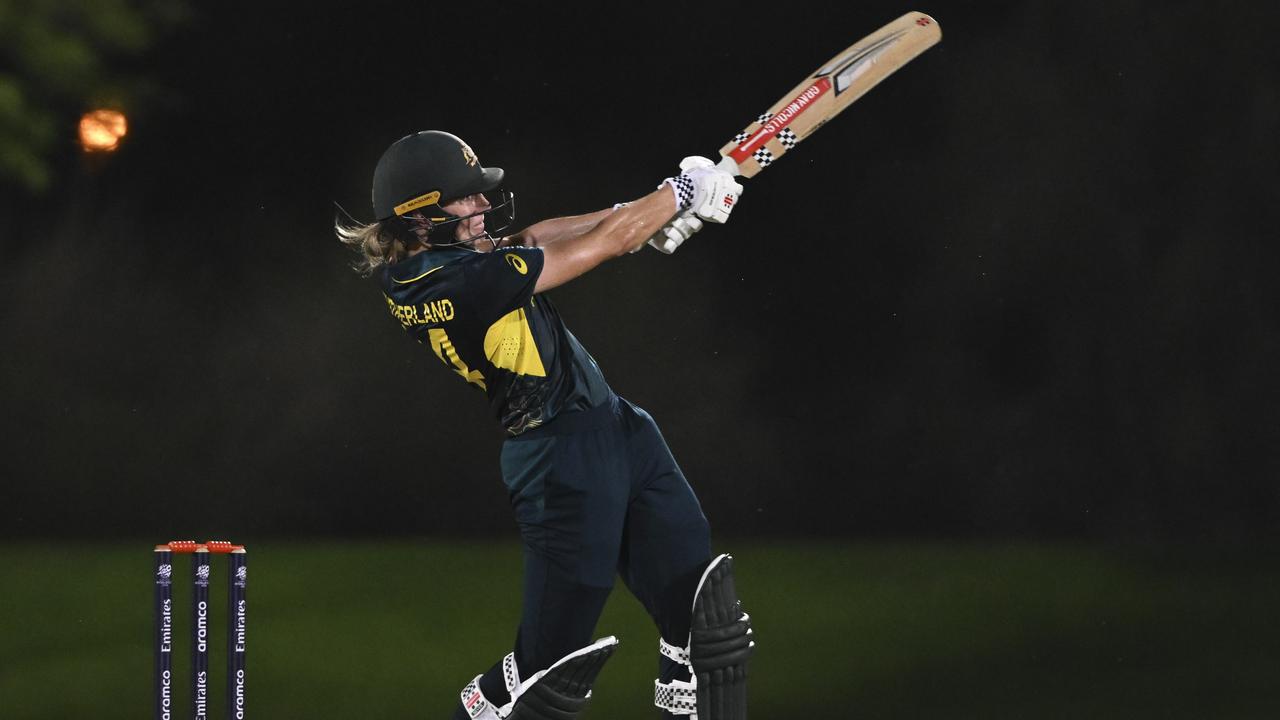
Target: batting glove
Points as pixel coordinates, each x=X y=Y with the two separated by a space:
x=708 y=191
x=681 y=228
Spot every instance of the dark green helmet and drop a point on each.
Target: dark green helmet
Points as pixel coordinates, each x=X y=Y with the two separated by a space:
x=426 y=170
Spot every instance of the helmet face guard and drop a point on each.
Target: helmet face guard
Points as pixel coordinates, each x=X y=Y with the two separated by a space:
x=498 y=217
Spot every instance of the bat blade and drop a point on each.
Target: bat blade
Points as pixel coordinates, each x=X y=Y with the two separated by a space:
x=830 y=89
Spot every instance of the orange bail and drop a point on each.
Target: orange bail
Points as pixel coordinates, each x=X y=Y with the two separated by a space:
x=191 y=546
x=222 y=546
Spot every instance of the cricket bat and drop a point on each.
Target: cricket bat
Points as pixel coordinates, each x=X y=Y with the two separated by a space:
x=830 y=89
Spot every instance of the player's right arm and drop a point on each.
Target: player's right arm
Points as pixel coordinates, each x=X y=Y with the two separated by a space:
x=709 y=192
x=554 y=230
x=617 y=234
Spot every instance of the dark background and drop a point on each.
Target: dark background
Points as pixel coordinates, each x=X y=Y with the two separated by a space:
x=1021 y=289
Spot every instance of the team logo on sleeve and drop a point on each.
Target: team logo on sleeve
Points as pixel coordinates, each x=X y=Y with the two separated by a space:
x=517 y=262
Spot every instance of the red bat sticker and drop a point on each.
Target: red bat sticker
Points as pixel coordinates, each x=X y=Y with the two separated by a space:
x=780 y=120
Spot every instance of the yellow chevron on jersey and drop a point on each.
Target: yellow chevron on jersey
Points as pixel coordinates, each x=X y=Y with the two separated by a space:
x=439 y=341
x=509 y=344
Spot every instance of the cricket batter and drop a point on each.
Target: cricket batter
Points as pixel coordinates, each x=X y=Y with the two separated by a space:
x=595 y=490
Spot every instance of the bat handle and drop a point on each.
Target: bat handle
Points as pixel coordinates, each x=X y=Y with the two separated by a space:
x=729 y=165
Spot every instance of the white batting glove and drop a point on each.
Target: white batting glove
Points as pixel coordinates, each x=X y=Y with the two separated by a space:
x=675 y=232
x=684 y=225
x=679 y=229
x=695 y=161
x=708 y=191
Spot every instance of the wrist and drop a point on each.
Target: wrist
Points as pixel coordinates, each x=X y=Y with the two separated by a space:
x=682 y=187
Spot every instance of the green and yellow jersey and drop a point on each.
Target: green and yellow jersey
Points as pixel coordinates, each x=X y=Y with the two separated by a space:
x=478 y=313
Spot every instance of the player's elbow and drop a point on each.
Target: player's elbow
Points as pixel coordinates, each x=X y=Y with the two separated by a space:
x=525 y=238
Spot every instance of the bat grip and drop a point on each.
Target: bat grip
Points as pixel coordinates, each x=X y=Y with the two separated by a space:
x=729 y=165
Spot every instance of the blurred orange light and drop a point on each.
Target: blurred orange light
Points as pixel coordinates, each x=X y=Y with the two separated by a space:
x=101 y=130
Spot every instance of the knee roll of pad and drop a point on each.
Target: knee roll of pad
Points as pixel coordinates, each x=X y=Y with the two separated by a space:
x=721 y=642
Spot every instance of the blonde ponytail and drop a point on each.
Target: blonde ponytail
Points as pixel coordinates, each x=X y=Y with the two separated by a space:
x=376 y=245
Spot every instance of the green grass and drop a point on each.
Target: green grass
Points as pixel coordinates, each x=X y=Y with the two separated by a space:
x=394 y=629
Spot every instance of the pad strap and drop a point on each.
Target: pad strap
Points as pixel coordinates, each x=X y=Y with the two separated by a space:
x=475 y=703
x=676 y=697
x=510 y=673
x=680 y=655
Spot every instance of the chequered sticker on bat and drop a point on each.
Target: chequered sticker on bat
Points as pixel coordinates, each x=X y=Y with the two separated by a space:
x=788 y=138
x=762 y=156
x=745 y=134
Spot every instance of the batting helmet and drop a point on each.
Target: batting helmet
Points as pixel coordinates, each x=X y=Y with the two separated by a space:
x=426 y=170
